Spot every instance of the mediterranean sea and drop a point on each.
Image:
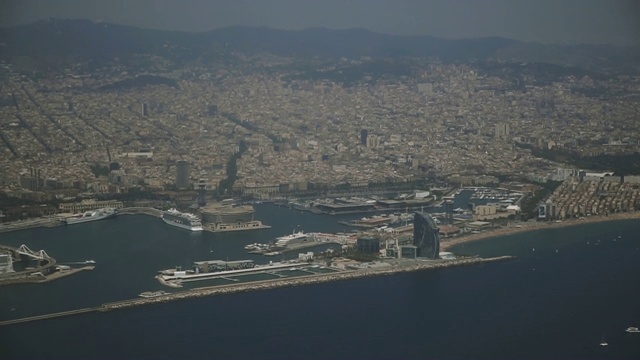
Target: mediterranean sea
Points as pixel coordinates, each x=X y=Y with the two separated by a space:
x=569 y=289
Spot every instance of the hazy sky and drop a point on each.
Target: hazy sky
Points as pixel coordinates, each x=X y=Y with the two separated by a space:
x=548 y=21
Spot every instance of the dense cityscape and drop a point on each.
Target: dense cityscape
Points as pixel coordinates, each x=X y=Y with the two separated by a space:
x=351 y=166
x=468 y=124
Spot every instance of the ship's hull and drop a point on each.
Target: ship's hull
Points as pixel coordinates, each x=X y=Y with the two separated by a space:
x=182 y=226
x=72 y=221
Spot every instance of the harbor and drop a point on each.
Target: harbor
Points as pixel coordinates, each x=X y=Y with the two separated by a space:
x=103 y=241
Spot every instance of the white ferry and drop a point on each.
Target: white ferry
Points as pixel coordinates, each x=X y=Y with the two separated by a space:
x=92 y=215
x=633 y=329
x=182 y=220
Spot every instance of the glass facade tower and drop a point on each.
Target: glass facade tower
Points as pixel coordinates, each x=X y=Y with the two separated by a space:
x=425 y=235
x=182 y=174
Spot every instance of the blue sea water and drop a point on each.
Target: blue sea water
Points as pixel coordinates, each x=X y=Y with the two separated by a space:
x=568 y=289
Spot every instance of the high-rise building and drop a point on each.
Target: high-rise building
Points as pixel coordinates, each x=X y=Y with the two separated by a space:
x=368 y=245
x=182 y=174
x=448 y=209
x=373 y=141
x=363 y=136
x=425 y=235
x=502 y=130
x=202 y=193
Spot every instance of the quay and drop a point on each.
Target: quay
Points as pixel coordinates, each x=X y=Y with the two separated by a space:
x=140 y=211
x=50 y=221
x=56 y=220
x=264 y=285
x=45 y=271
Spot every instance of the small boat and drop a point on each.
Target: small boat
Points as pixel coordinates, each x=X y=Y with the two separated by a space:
x=603 y=342
x=632 y=329
x=89 y=262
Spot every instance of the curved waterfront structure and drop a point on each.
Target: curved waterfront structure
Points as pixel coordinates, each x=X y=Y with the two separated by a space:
x=226 y=214
x=425 y=236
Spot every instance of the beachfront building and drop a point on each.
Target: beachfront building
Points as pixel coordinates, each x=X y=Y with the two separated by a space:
x=425 y=235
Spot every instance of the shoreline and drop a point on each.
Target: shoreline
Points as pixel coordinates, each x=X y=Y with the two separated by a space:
x=448 y=243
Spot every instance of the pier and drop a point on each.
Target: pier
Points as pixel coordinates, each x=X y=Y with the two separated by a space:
x=264 y=285
x=140 y=211
x=48 y=316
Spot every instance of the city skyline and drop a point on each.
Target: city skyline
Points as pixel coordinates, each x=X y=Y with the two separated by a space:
x=565 y=22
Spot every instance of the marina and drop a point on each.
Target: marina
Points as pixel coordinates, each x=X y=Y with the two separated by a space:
x=379 y=220
x=300 y=240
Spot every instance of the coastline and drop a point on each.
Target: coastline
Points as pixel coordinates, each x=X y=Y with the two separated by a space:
x=448 y=243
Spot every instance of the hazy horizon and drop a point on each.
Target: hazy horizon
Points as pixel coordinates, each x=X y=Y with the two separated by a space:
x=545 y=21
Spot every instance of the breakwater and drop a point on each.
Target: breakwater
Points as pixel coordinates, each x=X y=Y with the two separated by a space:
x=48 y=316
x=266 y=285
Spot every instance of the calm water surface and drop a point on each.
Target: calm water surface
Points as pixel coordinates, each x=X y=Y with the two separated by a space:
x=567 y=290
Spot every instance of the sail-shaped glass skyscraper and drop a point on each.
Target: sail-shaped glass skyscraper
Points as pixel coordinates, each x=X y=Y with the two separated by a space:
x=425 y=235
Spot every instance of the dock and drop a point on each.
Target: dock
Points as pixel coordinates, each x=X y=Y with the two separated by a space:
x=264 y=285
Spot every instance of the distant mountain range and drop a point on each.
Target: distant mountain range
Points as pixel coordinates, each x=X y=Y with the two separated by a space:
x=52 y=43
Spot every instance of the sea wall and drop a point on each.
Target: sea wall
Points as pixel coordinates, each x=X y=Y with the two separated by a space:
x=297 y=281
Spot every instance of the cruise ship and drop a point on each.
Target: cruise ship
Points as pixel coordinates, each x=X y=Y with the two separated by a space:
x=92 y=215
x=182 y=220
x=295 y=238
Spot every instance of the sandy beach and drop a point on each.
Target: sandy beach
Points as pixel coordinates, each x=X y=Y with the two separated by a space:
x=447 y=243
